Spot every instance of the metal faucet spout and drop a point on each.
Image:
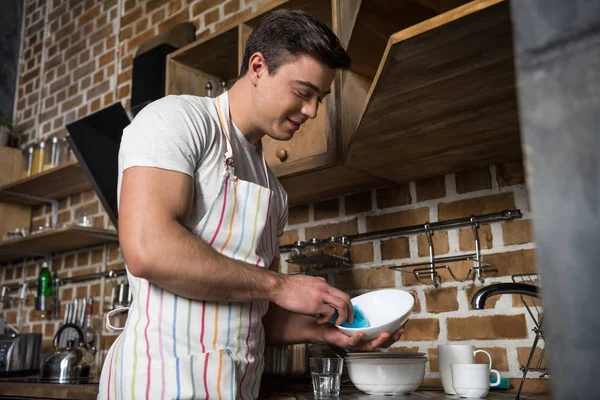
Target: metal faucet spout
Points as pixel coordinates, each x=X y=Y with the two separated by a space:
x=479 y=298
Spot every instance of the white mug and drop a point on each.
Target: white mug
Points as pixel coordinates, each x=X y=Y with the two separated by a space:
x=473 y=380
x=449 y=354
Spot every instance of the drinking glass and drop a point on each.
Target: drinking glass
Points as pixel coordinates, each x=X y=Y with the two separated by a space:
x=326 y=374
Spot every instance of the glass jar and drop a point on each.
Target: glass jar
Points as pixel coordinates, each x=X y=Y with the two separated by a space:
x=27 y=163
x=298 y=249
x=39 y=156
x=314 y=248
x=56 y=152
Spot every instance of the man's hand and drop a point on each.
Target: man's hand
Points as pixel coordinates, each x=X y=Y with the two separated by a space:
x=311 y=295
x=336 y=337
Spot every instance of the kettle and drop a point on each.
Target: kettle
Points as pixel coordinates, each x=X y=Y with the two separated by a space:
x=70 y=364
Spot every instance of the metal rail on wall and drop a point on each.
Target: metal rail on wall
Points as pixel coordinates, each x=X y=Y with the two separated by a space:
x=434 y=263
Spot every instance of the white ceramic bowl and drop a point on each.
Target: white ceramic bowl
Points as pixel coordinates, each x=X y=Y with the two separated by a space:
x=386 y=310
x=388 y=376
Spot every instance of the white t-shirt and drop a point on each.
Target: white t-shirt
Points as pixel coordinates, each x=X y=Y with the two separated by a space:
x=182 y=133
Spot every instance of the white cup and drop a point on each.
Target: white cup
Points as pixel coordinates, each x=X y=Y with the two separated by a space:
x=449 y=354
x=473 y=380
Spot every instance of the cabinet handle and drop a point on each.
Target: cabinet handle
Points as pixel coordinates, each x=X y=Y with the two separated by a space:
x=282 y=154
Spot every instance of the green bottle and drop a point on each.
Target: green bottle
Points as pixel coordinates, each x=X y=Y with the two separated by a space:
x=44 y=284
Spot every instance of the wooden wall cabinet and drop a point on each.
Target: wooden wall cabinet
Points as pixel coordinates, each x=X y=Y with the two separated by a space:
x=431 y=91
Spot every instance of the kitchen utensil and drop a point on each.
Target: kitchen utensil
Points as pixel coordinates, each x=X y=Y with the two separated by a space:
x=286 y=360
x=69 y=364
x=449 y=354
x=387 y=376
x=382 y=355
x=386 y=310
x=473 y=380
x=20 y=352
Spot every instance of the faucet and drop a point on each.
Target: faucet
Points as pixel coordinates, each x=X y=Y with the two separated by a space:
x=479 y=298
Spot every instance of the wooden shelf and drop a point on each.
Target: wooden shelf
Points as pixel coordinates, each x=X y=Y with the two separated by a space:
x=55 y=183
x=443 y=99
x=55 y=241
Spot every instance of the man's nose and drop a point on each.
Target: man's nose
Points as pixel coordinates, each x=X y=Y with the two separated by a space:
x=310 y=108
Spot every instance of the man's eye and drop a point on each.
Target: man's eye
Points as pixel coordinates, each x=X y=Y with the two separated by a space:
x=304 y=95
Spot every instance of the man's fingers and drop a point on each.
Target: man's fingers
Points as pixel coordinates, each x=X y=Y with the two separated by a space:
x=346 y=299
x=339 y=305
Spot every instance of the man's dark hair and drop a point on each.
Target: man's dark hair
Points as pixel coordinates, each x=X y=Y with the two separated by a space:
x=286 y=33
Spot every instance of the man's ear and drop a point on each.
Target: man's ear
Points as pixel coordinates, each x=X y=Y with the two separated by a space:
x=257 y=67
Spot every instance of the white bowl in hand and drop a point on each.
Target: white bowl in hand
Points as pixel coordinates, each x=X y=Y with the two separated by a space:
x=386 y=310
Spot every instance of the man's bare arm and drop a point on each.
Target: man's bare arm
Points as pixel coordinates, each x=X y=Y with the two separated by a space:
x=156 y=246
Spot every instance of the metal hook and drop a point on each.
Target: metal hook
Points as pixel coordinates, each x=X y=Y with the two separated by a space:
x=433 y=274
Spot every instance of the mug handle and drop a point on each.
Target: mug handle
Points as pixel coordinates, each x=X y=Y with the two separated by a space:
x=486 y=353
x=493 y=371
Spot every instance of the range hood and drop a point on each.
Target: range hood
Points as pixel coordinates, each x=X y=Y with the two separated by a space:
x=95 y=140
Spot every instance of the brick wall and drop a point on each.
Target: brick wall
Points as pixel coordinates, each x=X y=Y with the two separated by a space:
x=76 y=58
x=442 y=315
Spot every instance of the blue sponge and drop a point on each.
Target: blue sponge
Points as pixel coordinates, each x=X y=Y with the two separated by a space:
x=359 y=320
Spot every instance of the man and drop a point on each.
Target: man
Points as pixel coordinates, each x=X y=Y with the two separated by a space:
x=199 y=221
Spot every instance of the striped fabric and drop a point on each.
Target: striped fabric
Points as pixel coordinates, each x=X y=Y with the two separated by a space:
x=176 y=348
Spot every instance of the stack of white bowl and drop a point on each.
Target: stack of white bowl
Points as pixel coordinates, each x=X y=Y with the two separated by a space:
x=386 y=372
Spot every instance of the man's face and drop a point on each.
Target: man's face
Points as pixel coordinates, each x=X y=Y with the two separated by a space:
x=284 y=100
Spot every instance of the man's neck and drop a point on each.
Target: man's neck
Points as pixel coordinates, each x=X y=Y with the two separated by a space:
x=241 y=110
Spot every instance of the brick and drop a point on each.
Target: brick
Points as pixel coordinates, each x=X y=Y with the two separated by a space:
x=532 y=302
x=231 y=7
x=473 y=180
x=126 y=34
x=393 y=196
x=95 y=290
x=114 y=267
x=95 y=105
x=59 y=84
x=479 y=205
x=174 y=6
x=69 y=261
x=517 y=232
x=289 y=237
x=66 y=294
x=123 y=92
x=75 y=49
x=71 y=104
x=326 y=209
x=137 y=40
x=64 y=216
x=108 y=98
x=441 y=300
x=489 y=303
x=358 y=203
x=114 y=253
x=361 y=253
x=466 y=240
x=335 y=229
x=510 y=263
x=36 y=316
x=130 y=17
x=203 y=5
x=398 y=219
x=81 y=292
x=439 y=241
x=97 y=256
x=417 y=306
x=421 y=329
x=487 y=327
x=434 y=363
x=174 y=20
x=88 y=195
x=298 y=214
x=49 y=330
x=539 y=358
x=394 y=249
x=106 y=59
x=141 y=25
x=125 y=77
x=211 y=17
x=75 y=199
x=510 y=174
x=90 y=15
x=10 y=316
x=367 y=278
x=98 y=222
x=158 y=16
x=101 y=34
x=432 y=188
x=83 y=259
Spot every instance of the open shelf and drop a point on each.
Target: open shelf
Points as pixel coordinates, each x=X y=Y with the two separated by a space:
x=443 y=99
x=55 y=183
x=54 y=241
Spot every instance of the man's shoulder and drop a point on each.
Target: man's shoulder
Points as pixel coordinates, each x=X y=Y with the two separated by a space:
x=183 y=105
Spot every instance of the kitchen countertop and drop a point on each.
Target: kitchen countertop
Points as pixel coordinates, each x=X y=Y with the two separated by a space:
x=284 y=391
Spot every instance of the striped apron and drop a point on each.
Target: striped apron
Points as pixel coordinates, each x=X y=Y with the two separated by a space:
x=176 y=348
